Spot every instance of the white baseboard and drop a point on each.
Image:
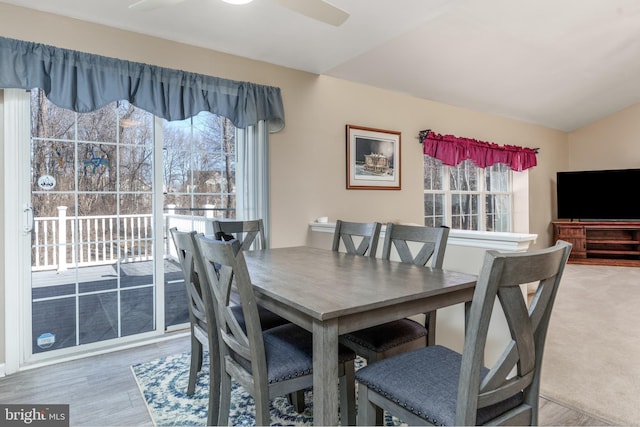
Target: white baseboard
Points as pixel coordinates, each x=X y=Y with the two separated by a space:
x=2 y=370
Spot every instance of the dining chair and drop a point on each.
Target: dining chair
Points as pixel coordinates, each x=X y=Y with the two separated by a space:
x=437 y=385
x=247 y=232
x=251 y=235
x=381 y=341
x=266 y=363
x=368 y=233
x=430 y=244
x=201 y=315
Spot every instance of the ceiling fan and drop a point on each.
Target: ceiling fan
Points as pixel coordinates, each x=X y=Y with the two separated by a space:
x=319 y=10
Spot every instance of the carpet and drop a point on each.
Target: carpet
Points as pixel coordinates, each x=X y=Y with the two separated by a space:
x=591 y=360
x=163 y=383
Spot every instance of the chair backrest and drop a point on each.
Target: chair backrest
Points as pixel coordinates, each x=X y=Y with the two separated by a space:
x=202 y=309
x=368 y=232
x=433 y=239
x=247 y=232
x=226 y=268
x=517 y=370
x=184 y=243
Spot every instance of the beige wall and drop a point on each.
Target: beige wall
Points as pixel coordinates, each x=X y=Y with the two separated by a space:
x=308 y=156
x=609 y=143
x=313 y=184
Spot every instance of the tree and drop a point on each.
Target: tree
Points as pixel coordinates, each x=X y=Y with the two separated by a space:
x=106 y=156
x=199 y=164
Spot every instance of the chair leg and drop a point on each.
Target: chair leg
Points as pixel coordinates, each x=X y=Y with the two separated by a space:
x=196 y=364
x=296 y=399
x=379 y=417
x=430 y=324
x=215 y=388
x=348 y=394
x=214 y=400
x=225 y=400
x=263 y=414
x=366 y=410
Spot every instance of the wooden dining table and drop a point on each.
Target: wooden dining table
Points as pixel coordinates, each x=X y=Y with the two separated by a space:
x=331 y=293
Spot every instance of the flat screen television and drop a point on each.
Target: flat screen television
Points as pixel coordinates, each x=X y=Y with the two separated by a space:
x=607 y=195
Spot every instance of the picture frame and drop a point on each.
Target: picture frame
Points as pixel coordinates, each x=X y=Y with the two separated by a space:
x=373 y=158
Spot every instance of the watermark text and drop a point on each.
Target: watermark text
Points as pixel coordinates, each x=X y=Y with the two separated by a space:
x=34 y=415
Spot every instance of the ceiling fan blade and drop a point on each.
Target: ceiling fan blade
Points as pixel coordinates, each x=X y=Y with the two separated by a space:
x=152 y=4
x=317 y=9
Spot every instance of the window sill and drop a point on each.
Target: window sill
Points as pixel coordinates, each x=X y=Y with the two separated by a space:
x=478 y=239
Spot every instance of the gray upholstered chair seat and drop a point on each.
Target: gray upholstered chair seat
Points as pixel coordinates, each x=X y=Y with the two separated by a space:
x=268 y=319
x=388 y=335
x=289 y=353
x=425 y=382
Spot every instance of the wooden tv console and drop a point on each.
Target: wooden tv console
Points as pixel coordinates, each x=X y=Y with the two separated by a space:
x=601 y=242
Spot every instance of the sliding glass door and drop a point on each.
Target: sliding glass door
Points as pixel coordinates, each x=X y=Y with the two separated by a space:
x=199 y=180
x=93 y=243
x=104 y=189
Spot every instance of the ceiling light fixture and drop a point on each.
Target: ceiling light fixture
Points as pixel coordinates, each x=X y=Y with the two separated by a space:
x=237 y=1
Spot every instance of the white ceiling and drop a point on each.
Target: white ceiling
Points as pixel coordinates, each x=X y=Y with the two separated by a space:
x=558 y=63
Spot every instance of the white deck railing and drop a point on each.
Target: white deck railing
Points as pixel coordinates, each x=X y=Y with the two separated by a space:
x=57 y=243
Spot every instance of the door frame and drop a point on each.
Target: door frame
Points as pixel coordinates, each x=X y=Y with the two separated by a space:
x=15 y=109
x=16 y=179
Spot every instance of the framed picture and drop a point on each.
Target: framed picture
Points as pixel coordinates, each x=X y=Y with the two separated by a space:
x=373 y=159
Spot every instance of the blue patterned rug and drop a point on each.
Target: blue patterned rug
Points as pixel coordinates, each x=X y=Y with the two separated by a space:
x=163 y=383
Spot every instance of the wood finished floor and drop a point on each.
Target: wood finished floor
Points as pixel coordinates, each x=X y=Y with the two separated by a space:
x=101 y=390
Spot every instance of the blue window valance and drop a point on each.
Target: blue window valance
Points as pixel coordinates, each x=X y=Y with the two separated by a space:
x=84 y=82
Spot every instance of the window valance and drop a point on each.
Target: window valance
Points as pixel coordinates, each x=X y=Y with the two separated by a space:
x=84 y=82
x=452 y=150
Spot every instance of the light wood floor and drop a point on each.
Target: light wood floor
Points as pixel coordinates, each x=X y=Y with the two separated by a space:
x=101 y=390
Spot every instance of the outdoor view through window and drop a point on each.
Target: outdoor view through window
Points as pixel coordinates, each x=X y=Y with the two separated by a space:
x=106 y=186
x=466 y=197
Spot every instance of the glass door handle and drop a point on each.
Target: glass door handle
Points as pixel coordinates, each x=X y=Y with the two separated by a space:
x=27 y=211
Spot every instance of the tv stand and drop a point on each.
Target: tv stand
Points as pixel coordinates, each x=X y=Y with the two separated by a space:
x=601 y=242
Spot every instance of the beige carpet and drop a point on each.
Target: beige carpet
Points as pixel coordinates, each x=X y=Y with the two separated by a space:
x=592 y=354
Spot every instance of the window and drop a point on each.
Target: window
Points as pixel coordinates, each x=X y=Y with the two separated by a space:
x=103 y=200
x=467 y=197
x=199 y=166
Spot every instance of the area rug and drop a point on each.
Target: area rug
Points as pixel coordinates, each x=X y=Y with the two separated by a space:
x=591 y=360
x=163 y=383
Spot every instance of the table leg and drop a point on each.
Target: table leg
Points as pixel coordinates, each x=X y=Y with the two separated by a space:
x=325 y=373
x=467 y=311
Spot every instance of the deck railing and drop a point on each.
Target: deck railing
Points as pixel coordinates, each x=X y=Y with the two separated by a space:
x=58 y=243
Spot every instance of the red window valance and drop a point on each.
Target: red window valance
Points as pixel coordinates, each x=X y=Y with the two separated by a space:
x=453 y=150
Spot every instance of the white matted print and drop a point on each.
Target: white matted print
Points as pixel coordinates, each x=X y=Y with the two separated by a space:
x=373 y=159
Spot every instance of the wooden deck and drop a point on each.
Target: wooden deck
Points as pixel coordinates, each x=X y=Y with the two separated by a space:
x=90 y=312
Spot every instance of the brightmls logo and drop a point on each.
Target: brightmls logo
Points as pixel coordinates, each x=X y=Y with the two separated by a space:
x=34 y=415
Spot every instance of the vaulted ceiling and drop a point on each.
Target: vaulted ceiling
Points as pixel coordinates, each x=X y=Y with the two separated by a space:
x=557 y=63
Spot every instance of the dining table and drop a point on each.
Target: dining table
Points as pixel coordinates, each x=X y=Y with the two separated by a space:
x=330 y=293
